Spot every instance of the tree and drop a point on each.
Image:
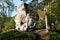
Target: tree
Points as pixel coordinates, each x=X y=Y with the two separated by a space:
x=9 y=25
x=52 y=7
x=6 y=9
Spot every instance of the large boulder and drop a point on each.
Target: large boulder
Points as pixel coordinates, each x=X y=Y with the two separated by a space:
x=24 y=20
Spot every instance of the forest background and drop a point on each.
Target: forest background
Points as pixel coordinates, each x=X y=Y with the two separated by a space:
x=53 y=16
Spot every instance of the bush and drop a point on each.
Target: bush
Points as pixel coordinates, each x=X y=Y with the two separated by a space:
x=54 y=36
x=9 y=24
x=15 y=35
x=40 y=24
x=58 y=27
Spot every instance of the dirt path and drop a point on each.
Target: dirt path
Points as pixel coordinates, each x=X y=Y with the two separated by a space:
x=42 y=34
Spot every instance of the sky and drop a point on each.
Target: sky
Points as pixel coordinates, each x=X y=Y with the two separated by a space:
x=17 y=3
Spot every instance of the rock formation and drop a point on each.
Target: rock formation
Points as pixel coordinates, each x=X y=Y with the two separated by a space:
x=24 y=20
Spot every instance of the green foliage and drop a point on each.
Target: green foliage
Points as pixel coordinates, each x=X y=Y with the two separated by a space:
x=15 y=35
x=6 y=9
x=24 y=1
x=9 y=24
x=53 y=10
x=2 y=20
x=54 y=36
x=58 y=27
x=40 y=24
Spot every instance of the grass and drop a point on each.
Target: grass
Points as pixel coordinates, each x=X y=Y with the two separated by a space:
x=15 y=35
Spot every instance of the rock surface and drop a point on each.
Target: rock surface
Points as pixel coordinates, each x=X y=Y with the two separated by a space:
x=24 y=20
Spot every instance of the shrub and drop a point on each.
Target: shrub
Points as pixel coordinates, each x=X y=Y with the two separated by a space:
x=15 y=35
